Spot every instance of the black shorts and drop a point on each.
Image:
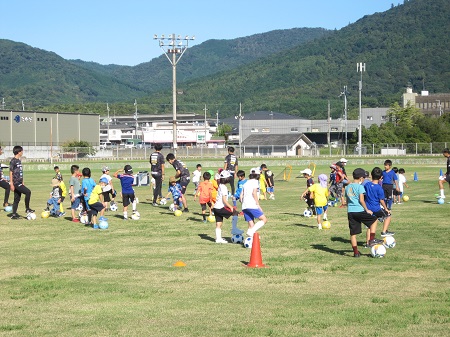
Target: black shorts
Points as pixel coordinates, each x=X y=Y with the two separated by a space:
x=388 y=188
x=356 y=218
x=95 y=208
x=447 y=178
x=381 y=215
x=204 y=206
x=183 y=183
x=221 y=213
x=127 y=199
x=106 y=196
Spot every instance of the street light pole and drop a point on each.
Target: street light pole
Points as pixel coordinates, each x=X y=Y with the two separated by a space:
x=360 y=68
x=174 y=45
x=240 y=118
x=344 y=93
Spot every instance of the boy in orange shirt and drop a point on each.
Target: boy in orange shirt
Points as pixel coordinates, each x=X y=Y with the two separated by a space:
x=204 y=192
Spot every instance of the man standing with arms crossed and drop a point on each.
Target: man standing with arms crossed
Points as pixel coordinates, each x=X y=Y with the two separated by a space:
x=231 y=165
x=157 y=168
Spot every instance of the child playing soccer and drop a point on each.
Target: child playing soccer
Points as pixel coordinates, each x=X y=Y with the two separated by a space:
x=183 y=176
x=63 y=187
x=270 y=184
x=262 y=182
x=126 y=181
x=87 y=185
x=319 y=192
x=396 y=197
x=108 y=190
x=4 y=183
x=357 y=211
x=401 y=183
x=16 y=183
x=250 y=204
x=204 y=193
x=175 y=190
x=55 y=199
x=222 y=208
x=446 y=177
x=375 y=202
x=196 y=176
x=95 y=201
x=75 y=190
x=389 y=180
x=306 y=195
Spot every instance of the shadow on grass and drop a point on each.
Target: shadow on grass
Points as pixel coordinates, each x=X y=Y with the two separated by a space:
x=294 y=214
x=303 y=225
x=330 y=250
x=206 y=237
x=191 y=218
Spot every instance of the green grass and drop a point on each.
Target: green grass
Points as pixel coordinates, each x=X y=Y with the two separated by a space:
x=60 y=278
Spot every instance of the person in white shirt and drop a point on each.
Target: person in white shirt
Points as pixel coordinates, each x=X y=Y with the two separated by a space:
x=197 y=175
x=250 y=203
x=222 y=208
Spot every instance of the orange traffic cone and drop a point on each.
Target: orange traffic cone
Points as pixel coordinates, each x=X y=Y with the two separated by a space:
x=255 y=255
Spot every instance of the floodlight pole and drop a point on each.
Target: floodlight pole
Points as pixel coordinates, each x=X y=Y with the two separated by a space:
x=344 y=93
x=174 y=45
x=107 y=109
x=240 y=118
x=360 y=68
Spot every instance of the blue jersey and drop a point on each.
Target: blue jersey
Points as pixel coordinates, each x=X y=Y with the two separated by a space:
x=352 y=193
x=87 y=185
x=175 y=190
x=126 y=181
x=374 y=193
x=240 y=186
x=389 y=177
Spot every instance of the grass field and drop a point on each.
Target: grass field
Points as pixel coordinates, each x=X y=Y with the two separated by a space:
x=60 y=278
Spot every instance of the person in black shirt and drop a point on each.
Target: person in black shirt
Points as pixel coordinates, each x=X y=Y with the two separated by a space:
x=446 y=177
x=157 y=168
x=16 y=182
x=4 y=183
x=231 y=165
x=183 y=176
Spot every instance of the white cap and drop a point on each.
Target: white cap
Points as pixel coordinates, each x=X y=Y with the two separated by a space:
x=255 y=170
x=306 y=171
x=225 y=174
x=343 y=160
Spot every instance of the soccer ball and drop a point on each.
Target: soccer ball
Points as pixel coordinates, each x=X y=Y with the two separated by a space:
x=135 y=216
x=261 y=197
x=79 y=207
x=331 y=203
x=378 y=251
x=45 y=214
x=103 y=224
x=178 y=212
x=248 y=242
x=326 y=225
x=84 y=219
x=405 y=198
x=172 y=207
x=441 y=201
x=212 y=218
x=389 y=242
x=31 y=216
x=307 y=213
x=163 y=201
x=8 y=208
x=113 y=207
x=237 y=238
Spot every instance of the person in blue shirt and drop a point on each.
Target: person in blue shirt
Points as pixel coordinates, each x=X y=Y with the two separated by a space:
x=375 y=201
x=177 y=193
x=126 y=181
x=389 y=180
x=87 y=185
x=358 y=212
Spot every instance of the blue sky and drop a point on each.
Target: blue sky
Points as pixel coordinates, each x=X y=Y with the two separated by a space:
x=121 y=32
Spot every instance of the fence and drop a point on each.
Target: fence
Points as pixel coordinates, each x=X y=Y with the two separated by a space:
x=56 y=153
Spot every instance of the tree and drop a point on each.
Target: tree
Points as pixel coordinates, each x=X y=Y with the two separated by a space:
x=404 y=117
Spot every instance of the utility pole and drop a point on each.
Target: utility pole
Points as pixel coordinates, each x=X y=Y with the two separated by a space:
x=205 y=109
x=136 y=119
x=344 y=93
x=329 y=127
x=240 y=118
x=360 y=68
x=107 y=109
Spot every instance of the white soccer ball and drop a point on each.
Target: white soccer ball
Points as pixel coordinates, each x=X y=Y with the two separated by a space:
x=84 y=219
x=163 y=201
x=172 y=207
x=114 y=207
x=389 y=242
x=307 y=213
x=237 y=238
x=31 y=216
x=248 y=242
x=136 y=216
x=378 y=251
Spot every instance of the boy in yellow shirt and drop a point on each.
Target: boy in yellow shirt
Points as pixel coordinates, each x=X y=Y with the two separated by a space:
x=96 y=201
x=319 y=192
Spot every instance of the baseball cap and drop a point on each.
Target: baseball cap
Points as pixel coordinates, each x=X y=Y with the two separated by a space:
x=105 y=168
x=359 y=173
x=255 y=170
x=306 y=171
x=103 y=180
x=128 y=169
x=225 y=174
x=343 y=160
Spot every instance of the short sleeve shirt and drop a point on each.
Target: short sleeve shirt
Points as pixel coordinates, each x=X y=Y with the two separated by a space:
x=15 y=166
x=231 y=161
x=389 y=177
x=223 y=191
x=374 y=193
x=126 y=181
x=320 y=195
x=95 y=195
x=352 y=193
x=76 y=184
x=156 y=162
x=184 y=172
x=87 y=184
x=248 y=200
x=175 y=190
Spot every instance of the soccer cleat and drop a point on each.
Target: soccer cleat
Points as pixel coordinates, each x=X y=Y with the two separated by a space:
x=319 y=226
x=387 y=233
x=358 y=254
x=342 y=206
x=62 y=214
x=237 y=231
x=221 y=240
x=15 y=216
x=375 y=242
x=440 y=196
x=29 y=210
x=186 y=210
x=75 y=220
x=95 y=226
x=155 y=204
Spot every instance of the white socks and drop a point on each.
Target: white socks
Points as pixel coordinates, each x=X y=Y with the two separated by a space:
x=218 y=233
x=255 y=227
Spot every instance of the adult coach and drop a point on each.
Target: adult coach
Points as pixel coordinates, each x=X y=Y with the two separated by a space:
x=446 y=177
x=231 y=165
x=183 y=176
x=157 y=168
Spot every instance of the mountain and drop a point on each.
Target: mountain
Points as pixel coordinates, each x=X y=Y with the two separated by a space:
x=39 y=77
x=210 y=57
x=408 y=44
